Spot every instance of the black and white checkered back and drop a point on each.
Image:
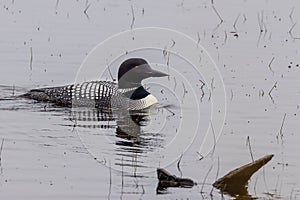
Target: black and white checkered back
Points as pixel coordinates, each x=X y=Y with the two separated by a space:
x=96 y=94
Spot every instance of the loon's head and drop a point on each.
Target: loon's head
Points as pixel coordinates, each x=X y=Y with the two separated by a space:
x=132 y=71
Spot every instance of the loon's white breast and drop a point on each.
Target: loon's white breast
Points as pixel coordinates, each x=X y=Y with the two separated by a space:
x=143 y=103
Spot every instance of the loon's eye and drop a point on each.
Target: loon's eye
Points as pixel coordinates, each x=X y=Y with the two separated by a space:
x=138 y=68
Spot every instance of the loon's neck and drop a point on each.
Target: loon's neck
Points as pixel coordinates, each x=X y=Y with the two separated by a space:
x=135 y=93
x=127 y=90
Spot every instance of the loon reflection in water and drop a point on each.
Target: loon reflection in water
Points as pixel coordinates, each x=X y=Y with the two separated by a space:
x=123 y=138
x=127 y=125
x=128 y=93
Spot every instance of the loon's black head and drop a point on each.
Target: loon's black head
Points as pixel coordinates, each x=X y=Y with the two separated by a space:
x=132 y=71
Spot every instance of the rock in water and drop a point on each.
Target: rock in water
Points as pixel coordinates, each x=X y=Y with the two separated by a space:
x=165 y=180
x=235 y=182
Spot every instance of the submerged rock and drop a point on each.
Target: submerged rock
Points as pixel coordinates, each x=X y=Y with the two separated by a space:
x=165 y=180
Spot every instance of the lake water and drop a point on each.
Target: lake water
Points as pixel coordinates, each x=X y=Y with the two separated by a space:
x=47 y=154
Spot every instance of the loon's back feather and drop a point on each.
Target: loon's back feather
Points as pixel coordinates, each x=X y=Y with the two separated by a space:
x=98 y=94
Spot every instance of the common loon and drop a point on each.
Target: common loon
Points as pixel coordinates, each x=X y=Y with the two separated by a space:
x=102 y=94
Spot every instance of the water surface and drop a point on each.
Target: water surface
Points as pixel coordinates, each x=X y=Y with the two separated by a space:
x=43 y=156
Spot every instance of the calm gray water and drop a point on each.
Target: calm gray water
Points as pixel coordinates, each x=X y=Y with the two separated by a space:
x=45 y=157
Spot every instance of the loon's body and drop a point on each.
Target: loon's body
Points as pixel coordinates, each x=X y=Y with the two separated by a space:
x=128 y=93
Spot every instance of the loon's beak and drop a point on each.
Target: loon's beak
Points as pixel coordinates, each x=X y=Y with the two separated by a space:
x=156 y=73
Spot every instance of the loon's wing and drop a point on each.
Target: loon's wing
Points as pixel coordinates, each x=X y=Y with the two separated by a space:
x=94 y=93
